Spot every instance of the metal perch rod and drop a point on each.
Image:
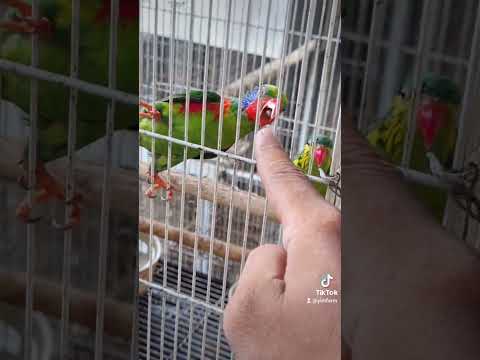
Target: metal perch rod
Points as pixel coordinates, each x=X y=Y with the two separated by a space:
x=203 y=243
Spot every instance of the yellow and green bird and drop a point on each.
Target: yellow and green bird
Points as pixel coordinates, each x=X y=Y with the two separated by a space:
x=321 y=151
x=435 y=132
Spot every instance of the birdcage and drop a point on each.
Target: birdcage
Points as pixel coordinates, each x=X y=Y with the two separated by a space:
x=220 y=212
x=385 y=44
x=54 y=269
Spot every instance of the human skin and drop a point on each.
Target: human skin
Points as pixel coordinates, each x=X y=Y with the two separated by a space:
x=269 y=317
x=410 y=289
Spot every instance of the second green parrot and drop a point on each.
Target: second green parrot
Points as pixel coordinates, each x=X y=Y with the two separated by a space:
x=435 y=132
x=321 y=151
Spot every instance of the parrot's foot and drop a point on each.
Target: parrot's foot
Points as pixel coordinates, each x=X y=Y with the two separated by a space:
x=47 y=189
x=23 y=213
x=25 y=23
x=157 y=183
x=22 y=6
x=149 y=112
x=75 y=214
x=27 y=26
x=22 y=181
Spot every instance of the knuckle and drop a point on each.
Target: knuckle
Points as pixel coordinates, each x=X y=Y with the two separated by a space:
x=283 y=169
x=332 y=220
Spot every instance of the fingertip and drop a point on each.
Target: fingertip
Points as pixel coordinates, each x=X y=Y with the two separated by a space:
x=265 y=138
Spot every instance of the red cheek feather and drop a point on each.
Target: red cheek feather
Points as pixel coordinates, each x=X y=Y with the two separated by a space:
x=251 y=111
x=430 y=118
x=320 y=156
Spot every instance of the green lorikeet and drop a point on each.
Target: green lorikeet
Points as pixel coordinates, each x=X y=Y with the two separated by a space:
x=265 y=97
x=321 y=151
x=435 y=132
x=54 y=33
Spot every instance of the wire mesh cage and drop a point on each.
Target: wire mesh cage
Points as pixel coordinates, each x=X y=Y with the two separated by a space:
x=219 y=211
x=66 y=293
x=390 y=47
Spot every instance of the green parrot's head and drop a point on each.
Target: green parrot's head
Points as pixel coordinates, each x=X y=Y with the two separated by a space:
x=266 y=99
x=321 y=152
x=441 y=89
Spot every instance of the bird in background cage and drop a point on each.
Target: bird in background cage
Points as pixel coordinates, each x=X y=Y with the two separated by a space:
x=318 y=152
x=435 y=132
x=53 y=30
x=264 y=98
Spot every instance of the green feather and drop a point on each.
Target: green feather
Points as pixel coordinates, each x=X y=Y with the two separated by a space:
x=388 y=137
x=54 y=57
x=194 y=127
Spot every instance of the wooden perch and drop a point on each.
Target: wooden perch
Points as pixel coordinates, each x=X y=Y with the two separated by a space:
x=219 y=246
x=48 y=300
x=270 y=69
x=87 y=177
x=239 y=199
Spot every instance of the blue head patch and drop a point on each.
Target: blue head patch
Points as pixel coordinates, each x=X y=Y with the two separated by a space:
x=249 y=97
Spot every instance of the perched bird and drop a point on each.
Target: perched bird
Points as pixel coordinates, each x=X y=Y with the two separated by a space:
x=435 y=131
x=53 y=30
x=321 y=151
x=265 y=97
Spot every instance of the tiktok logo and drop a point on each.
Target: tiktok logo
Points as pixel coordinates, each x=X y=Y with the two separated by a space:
x=326 y=279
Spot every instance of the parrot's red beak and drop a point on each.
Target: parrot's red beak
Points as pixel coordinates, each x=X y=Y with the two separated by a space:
x=267 y=114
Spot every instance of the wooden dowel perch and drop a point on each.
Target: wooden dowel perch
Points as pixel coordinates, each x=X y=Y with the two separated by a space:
x=122 y=183
x=219 y=246
x=239 y=199
x=48 y=300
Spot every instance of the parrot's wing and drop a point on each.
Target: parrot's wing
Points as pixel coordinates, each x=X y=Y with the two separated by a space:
x=196 y=96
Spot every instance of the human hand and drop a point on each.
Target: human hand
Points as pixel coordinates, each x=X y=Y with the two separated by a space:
x=410 y=289
x=269 y=316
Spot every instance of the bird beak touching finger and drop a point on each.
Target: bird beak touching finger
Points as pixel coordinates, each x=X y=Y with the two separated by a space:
x=267 y=115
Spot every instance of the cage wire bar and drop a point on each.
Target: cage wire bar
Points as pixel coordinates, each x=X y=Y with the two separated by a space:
x=105 y=213
x=34 y=75
x=32 y=162
x=228 y=47
x=414 y=43
x=69 y=183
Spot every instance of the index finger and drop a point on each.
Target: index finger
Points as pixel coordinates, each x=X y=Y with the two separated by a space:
x=288 y=190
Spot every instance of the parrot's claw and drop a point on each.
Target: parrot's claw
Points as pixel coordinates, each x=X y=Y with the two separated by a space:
x=23 y=213
x=150 y=111
x=75 y=212
x=22 y=181
x=64 y=227
x=24 y=23
x=27 y=26
x=47 y=189
x=157 y=183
